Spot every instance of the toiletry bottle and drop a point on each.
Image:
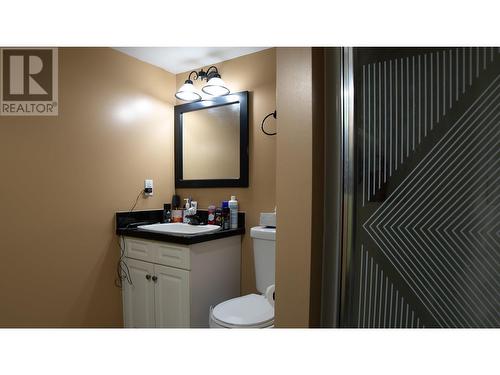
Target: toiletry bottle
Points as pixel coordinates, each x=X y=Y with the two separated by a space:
x=176 y=202
x=218 y=216
x=187 y=206
x=211 y=214
x=167 y=213
x=226 y=216
x=176 y=216
x=176 y=213
x=233 y=208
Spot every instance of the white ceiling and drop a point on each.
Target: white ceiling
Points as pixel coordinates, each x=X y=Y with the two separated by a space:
x=181 y=59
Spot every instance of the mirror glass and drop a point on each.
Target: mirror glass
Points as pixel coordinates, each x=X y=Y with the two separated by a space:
x=211 y=143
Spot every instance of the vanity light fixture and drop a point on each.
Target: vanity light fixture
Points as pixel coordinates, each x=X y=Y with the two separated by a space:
x=215 y=85
x=188 y=92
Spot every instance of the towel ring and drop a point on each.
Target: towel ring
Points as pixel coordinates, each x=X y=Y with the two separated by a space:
x=263 y=121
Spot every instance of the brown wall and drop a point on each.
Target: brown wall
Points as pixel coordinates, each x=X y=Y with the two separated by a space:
x=62 y=179
x=299 y=188
x=255 y=73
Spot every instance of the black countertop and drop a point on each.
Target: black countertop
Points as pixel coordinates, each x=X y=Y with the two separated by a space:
x=126 y=223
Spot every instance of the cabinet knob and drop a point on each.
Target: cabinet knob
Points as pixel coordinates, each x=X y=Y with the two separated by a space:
x=155 y=278
x=148 y=277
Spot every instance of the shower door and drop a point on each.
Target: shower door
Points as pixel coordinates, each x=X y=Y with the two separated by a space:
x=421 y=189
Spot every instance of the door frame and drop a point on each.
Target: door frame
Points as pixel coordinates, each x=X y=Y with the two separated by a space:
x=347 y=195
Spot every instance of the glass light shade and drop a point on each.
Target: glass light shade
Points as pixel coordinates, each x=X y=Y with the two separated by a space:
x=188 y=92
x=215 y=87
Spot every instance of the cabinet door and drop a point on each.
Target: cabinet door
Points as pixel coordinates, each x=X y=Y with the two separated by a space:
x=171 y=297
x=138 y=298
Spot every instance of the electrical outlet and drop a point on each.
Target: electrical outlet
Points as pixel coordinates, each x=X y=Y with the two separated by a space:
x=148 y=187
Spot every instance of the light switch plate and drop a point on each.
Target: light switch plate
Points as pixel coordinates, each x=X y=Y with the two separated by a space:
x=148 y=187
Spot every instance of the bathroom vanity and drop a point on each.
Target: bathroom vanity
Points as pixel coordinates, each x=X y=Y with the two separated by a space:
x=175 y=279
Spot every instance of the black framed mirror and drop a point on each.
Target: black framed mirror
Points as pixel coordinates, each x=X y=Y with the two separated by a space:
x=211 y=142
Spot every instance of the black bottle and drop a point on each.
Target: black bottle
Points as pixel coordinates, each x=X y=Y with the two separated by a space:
x=226 y=216
x=176 y=202
x=218 y=217
x=167 y=213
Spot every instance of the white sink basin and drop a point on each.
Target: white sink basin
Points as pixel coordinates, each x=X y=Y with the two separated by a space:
x=180 y=228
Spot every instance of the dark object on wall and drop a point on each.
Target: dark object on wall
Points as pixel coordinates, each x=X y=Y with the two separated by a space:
x=263 y=121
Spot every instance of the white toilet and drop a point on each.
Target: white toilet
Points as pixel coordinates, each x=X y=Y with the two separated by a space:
x=252 y=310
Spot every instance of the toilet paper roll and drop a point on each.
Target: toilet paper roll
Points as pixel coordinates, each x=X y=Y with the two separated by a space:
x=270 y=294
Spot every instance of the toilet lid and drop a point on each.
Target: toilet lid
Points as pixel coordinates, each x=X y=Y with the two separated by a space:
x=249 y=310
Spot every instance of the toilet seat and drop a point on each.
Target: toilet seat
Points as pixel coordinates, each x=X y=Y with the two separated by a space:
x=250 y=311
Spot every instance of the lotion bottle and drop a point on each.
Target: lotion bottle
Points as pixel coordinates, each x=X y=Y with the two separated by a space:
x=233 y=209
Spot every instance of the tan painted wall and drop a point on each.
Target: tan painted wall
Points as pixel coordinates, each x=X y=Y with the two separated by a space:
x=255 y=73
x=298 y=188
x=63 y=178
x=293 y=186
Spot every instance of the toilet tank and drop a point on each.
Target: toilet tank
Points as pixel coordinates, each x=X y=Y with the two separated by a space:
x=264 y=252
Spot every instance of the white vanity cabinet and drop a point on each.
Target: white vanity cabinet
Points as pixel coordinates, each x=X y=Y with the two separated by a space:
x=173 y=286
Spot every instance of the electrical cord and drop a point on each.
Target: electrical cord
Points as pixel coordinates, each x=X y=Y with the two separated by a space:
x=262 y=125
x=136 y=200
x=122 y=270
